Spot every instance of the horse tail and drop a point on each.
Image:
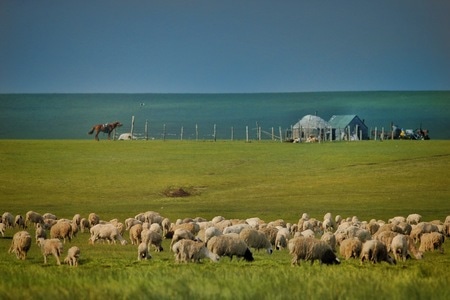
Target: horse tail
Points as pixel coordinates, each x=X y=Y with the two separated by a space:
x=92 y=131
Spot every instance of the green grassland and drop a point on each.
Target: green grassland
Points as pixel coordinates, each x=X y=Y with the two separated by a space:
x=271 y=180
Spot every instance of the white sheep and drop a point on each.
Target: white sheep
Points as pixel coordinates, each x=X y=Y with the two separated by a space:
x=421 y=228
x=20 y=244
x=192 y=251
x=432 y=241
x=311 y=249
x=375 y=251
x=330 y=239
x=130 y=222
x=180 y=234
x=256 y=239
x=206 y=234
x=135 y=234
x=399 y=247
x=7 y=219
x=413 y=219
x=107 y=232
x=73 y=255
x=151 y=237
x=51 y=247
x=143 y=251
x=62 y=230
x=237 y=228
x=230 y=245
x=350 y=248
x=282 y=238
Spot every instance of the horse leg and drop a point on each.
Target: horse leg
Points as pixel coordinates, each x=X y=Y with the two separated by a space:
x=96 y=135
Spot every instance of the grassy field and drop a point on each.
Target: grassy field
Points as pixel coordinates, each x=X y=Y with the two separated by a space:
x=233 y=179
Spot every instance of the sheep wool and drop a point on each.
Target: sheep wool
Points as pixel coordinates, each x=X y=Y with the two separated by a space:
x=311 y=249
x=256 y=239
x=51 y=247
x=350 y=248
x=73 y=255
x=20 y=244
x=230 y=245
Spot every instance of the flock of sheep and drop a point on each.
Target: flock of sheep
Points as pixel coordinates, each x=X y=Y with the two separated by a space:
x=193 y=240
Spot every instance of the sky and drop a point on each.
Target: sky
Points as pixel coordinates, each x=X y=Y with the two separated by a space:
x=208 y=46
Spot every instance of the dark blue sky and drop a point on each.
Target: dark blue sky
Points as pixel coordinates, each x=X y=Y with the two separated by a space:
x=223 y=46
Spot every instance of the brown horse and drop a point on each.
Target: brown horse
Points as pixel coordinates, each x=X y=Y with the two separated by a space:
x=106 y=128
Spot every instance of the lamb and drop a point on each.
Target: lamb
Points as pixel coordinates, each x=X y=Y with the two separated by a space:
x=256 y=239
x=107 y=232
x=375 y=251
x=230 y=245
x=73 y=255
x=33 y=217
x=62 y=230
x=432 y=241
x=350 y=248
x=188 y=250
x=143 y=251
x=152 y=238
x=302 y=248
x=51 y=247
x=20 y=244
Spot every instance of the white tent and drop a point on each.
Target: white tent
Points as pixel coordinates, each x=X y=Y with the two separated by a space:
x=309 y=126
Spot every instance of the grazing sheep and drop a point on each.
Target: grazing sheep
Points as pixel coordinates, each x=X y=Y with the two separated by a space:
x=399 y=247
x=180 y=234
x=413 y=219
x=135 y=234
x=237 y=228
x=84 y=224
x=282 y=238
x=51 y=247
x=386 y=238
x=49 y=216
x=350 y=248
x=229 y=245
x=20 y=244
x=330 y=239
x=165 y=224
x=19 y=221
x=76 y=219
x=311 y=249
x=143 y=251
x=33 y=217
x=107 y=232
x=208 y=233
x=130 y=222
x=62 y=230
x=192 y=251
x=73 y=255
x=152 y=238
x=432 y=241
x=421 y=228
x=256 y=239
x=7 y=219
x=271 y=233
x=375 y=251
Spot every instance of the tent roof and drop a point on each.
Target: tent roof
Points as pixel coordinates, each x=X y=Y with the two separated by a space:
x=341 y=121
x=310 y=121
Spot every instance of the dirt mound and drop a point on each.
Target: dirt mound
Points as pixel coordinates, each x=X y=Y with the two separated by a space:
x=176 y=192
